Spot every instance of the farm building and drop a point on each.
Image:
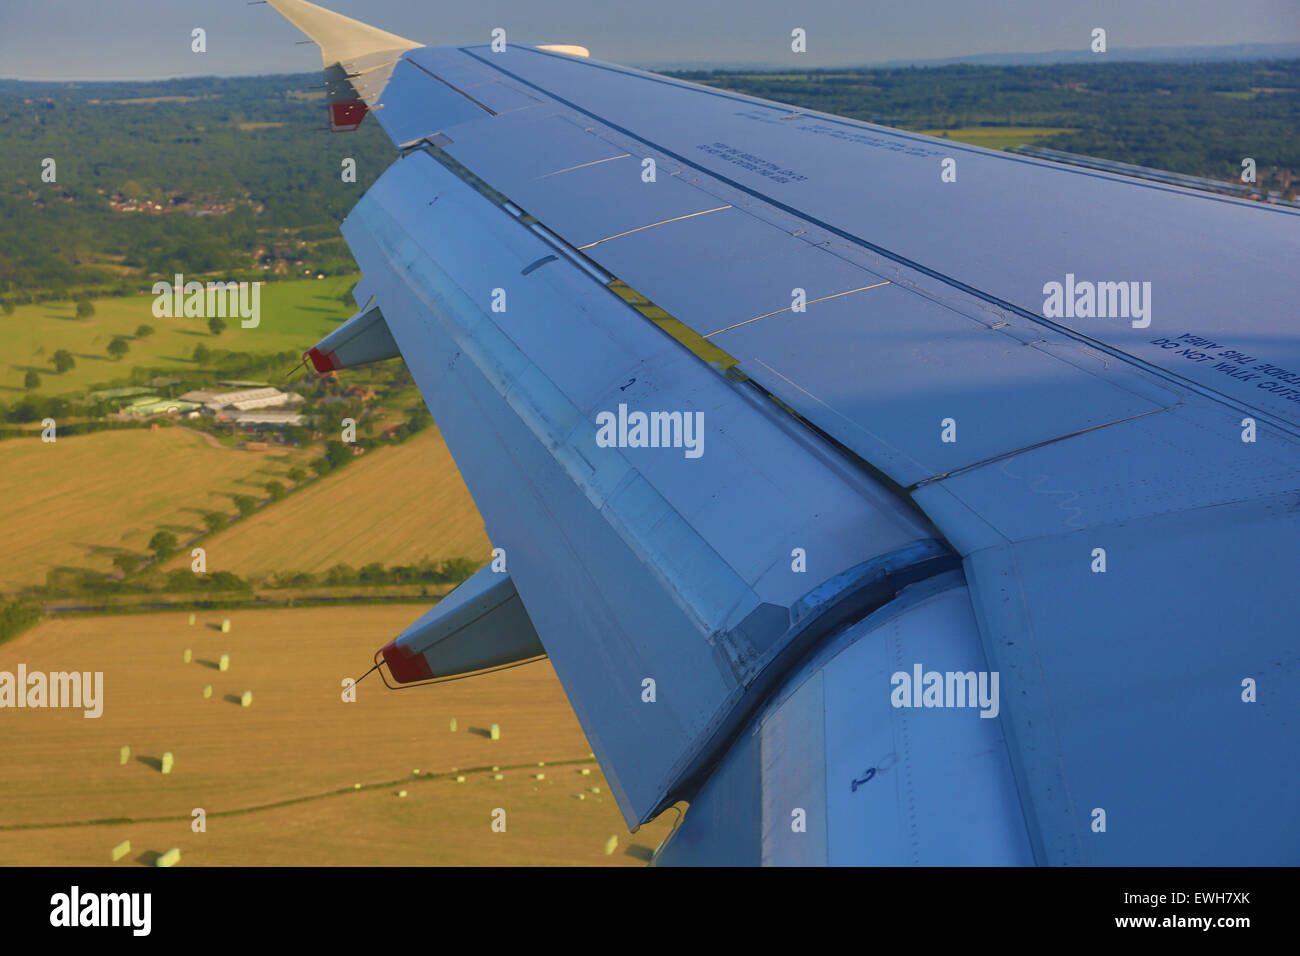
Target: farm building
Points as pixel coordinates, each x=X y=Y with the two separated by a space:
x=226 y=406
x=268 y=418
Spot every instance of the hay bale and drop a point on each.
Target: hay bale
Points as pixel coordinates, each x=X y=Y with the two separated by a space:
x=123 y=755
x=539 y=776
x=167 y=762
x=246 y=699
x=452 y=724
x=541 y=763
x=356 y=786
x=415 y=772
x=191 y=620
x=401 y=793
x=207 y=691
x=121 y=850
x=495 y=767
x=498 y=776
x=224 y=663
x=611 y=845
x=594 y=790
x=581 y=796
x=585 y=771
x=494 y=732
x=460 y=779
x=225 y=626
x=170 y=858
x=188 y=655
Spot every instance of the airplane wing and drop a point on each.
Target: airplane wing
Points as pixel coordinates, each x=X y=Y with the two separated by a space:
x=889 y=500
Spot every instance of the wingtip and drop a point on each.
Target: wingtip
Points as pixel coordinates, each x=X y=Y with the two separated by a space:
x=340 y=38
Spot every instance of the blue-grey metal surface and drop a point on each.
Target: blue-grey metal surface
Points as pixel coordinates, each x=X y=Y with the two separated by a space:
x=1065 y=429
x=1122 y=690
x=1034 y=221
x=832 y=772
x=614 y=549
x=483 y=86
x=416 y=104
x=1124 y=687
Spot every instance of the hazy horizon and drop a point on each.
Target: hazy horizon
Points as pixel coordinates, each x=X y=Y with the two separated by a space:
x=136 y=40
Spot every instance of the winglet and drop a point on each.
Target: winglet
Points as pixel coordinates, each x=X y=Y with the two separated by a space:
x=358 y=58
x=340 y=38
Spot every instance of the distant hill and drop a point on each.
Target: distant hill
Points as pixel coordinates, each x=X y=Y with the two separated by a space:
x=1149 y=54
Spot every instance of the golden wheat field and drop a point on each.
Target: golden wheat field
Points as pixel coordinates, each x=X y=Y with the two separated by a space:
x=78 y=500
x=394 y=505
x=298 y=745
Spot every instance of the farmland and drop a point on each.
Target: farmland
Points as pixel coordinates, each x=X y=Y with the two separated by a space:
x=394 y=505
x=79 y=501
x=298 y=740
x=294 y=316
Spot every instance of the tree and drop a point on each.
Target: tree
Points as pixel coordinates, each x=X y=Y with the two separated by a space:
x=8 y=307
x=118 y=347
x=181 y=579
x=163 y=544
x=297 y=475
x=227 y=581
x=215 y=520
x=246 y=505
x=126 y=563
x=216 y=325
x=201 y=354
x=16 y=617
x=275 y=490
x=144 y=331
x=32 y=380
x=457 y=569
x=84 y=309
x=63 y=361
x=341 y=574
x=337 y=453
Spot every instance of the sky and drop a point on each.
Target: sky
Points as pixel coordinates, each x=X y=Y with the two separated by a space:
x=139 y=39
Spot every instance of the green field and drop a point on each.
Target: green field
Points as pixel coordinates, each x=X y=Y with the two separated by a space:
x=295 y=315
